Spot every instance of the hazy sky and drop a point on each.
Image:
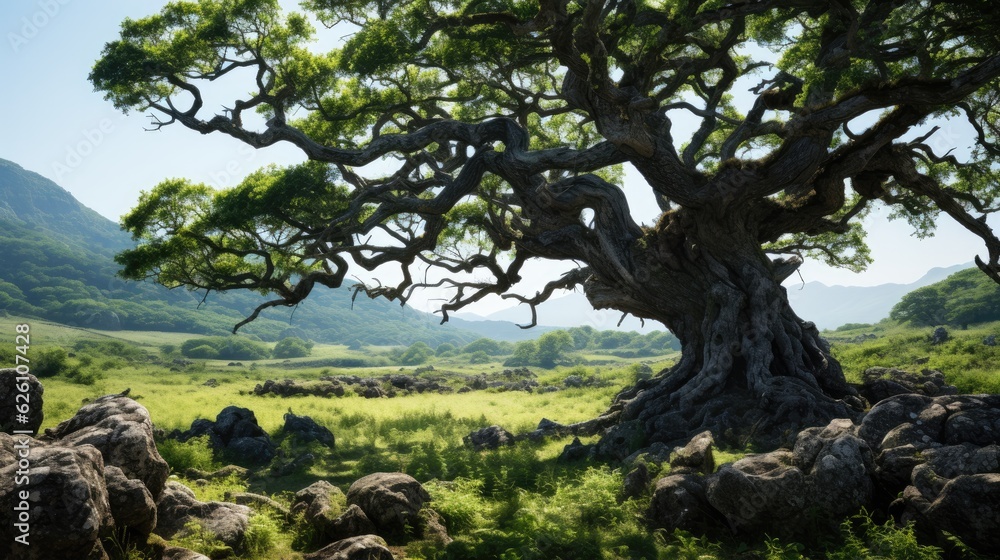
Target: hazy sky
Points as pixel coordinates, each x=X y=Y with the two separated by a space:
x=57 y=126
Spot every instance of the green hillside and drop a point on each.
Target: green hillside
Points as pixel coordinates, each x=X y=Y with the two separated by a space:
x=962 y=299
x=57 y=264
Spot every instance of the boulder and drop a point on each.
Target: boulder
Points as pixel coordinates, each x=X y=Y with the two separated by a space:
x=305 y=430
x=879 y=383
x=940 y=336
x=10 y=398
x=824 y=479
x=319 y=505
x=352 y=523
x=236 y=433
x=68 y=511
x=121 y=430
x=941 y=456
x=575 y=451
x=636 y=482
x=490 y=437
x=366 y=547
x=391 y=501
x=696 y=456
x=224 y=521
x=132 y=505
x=679 y=502
x=178 y=553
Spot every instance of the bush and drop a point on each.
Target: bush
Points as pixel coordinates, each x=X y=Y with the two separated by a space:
x=203 y=352
x=416 y=354
x=226 y=348
x=48 y=363
x=194 y=453
x=292 y=347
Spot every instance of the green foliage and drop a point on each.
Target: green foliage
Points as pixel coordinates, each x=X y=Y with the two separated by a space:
x=964 y=298
x=418 y=353
x=47 y=363
x=261 y=535
x=292 y=347
x=489 y=346
x=224 y=348
x=866 y=540
x=552 y=347
x=195 y=453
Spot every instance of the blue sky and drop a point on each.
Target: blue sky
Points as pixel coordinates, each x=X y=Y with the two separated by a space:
x=58 y=127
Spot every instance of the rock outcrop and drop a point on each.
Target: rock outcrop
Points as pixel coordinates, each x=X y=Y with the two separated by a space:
x=179 y=513
x=392 y=501
x=91 y=475
x=235 y=431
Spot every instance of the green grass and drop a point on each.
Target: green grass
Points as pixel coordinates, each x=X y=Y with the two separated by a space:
x=518 y=502
x=966 y=363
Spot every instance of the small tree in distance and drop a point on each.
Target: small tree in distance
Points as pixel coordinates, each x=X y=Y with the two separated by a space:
x=764 y=130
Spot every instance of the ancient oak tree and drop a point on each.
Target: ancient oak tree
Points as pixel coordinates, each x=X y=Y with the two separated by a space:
x=468 y=137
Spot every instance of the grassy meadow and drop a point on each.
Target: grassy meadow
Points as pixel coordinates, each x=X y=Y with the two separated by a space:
x=516 y=502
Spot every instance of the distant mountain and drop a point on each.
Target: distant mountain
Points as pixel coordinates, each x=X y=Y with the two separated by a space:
x=827 y=306
x=832 y=306
x=572 y=310
x=56 y=262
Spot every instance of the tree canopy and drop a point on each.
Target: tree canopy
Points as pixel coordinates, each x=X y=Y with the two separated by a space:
x=502 y=121
x=468 y=137
x=962 y=299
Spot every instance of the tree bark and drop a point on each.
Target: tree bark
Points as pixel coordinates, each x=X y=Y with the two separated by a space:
x=750 y=369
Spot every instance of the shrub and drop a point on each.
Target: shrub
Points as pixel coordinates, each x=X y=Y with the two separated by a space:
x=47 y=363
x=203 y=352
x=226 y=348
x=292 y=347
x=416 y=354
x=193 y=453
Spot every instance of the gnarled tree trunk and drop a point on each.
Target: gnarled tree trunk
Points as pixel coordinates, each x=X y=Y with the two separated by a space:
x=750 y=370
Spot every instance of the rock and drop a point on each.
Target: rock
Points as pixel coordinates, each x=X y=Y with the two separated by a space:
x=491 y=437
x=941 y=456
x=990 y=340
x=178 y=553
x=178 y=507
x=636 y=482
x=881 y=383
x=234 y=432
x=289 y=388
x=967 y=506
x=696 y=456
x=371 y=392
x=68 y=509
x=940 y=336
x=575 y=451
x=829 y=471
x=132 y=505
x=11 y=395
x=572 y=381
x=431 y=527
x=390 y=500
x=298 y=464
x=352 y=523
x=679 y=502
x=305 y=429
x=257 y=501
x=620 y=441
x=121 y=430
x=319 y=504
x=366 y=547
x=225 y=472
x=255 y=450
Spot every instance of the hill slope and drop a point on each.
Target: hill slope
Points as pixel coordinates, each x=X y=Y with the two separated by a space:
x=58 y=264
